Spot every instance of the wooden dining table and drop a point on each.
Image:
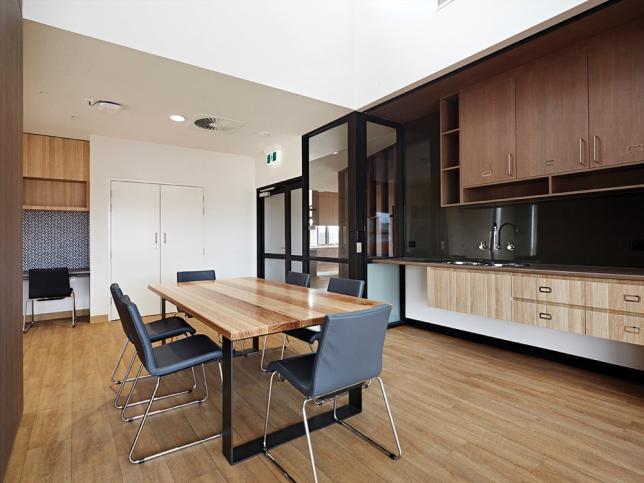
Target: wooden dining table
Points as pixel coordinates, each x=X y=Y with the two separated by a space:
x=249 y=308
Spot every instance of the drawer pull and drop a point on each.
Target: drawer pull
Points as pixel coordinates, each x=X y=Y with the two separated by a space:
x=631 y=298
x=545 y=316
x=545 y=289
x=485 y=174
x=632 y=329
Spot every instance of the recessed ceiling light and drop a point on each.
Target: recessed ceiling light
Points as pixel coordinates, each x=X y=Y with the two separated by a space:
x=177 y=117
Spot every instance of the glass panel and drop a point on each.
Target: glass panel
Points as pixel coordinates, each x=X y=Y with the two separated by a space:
x=321 y=272
x=382 y=166
x=328 y=193
x=274 y=225
x=275 y=269
x=296 y=222
x=296 y=266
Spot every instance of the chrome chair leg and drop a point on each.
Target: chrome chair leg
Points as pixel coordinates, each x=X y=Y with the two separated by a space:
x=366 y=438
x=221 y=372
x=73 y=309
x=118 y=363
x=308 y=438
x=147 y=413
x=25 y=327
x=266 y=453
x=261 y=364
x=127 y=404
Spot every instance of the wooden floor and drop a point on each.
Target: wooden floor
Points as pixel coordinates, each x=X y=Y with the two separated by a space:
x=464 y=412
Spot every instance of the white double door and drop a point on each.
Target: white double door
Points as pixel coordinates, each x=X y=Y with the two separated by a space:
x=156 y=230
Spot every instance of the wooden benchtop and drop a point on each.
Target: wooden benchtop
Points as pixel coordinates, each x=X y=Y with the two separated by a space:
x=612 y=273
x=239 y=308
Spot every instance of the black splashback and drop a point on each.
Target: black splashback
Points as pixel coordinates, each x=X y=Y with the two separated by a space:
x=602 y=229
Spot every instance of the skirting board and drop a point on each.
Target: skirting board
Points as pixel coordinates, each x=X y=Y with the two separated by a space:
x=97 y=318
x=67 y=314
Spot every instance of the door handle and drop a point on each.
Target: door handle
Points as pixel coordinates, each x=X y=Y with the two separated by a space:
x=165 y=238
x=509 y=164
x=156 y=239
x=581 y=152
x=596 y=149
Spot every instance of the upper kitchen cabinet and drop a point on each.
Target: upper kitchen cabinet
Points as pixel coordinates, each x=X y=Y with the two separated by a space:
x=487 y=131
x=552 y=114
x=55 y=173
x=616 y=95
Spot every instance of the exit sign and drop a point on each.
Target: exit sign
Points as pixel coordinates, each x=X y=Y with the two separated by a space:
x=271 y=157
x=273 y=154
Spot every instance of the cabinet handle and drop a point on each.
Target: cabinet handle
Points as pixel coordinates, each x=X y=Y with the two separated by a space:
x=596 y=149
x=545 y=316
x=581 y=152
x=543 y=289
x=632 y=329
x=165 y=238
x=509 y=164
x=550 y=162
x=485 y=174
x=156 y=239
x=631 y=298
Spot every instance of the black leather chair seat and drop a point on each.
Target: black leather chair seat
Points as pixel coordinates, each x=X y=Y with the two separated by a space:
x=306 y=334
x=297 y=370
x=167 y=328
x=184 y=353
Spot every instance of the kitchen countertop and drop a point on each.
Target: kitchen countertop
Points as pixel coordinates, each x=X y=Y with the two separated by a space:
x=75 y=272
x=614 y=273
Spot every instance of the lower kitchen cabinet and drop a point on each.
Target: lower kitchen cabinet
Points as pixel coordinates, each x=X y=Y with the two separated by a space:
x=625 y=328
x=555 y=317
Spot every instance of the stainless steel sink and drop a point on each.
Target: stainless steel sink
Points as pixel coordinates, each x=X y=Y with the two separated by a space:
x=472 y=263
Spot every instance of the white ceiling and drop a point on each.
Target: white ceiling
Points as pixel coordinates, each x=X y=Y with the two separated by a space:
x=63 y=69
x=351 y=53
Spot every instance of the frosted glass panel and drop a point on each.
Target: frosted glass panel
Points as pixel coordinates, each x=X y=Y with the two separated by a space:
x=274 y=224
x=296 y=267
x=274 y=270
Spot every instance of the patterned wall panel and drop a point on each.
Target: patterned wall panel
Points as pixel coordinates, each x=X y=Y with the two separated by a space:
x=52 y=239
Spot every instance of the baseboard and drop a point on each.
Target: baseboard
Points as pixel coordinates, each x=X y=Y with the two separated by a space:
x=613 y=370
x=66 y=314
x=97 y=318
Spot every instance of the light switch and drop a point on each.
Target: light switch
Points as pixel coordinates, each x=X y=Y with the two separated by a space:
x=358 y=247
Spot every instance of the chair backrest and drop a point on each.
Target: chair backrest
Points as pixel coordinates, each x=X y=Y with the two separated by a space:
x=297 y=278
x=117 y=296
x=49 y=283
x=196 y=276
x=140 y=339
x=346 y=286
x=350 y=349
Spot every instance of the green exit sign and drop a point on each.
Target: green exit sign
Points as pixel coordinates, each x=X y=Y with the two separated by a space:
x=271 y=157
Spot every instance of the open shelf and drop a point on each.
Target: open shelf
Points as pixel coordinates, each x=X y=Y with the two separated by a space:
x=505 y=191
x=56 y=195
x=450 y=156
x=450 y=187
x=608 y=179
x=449 y=113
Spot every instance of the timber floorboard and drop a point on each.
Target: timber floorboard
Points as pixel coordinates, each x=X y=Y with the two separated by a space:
x=464 y=412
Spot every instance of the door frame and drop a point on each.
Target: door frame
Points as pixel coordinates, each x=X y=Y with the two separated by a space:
x=109 y=224
x=284 y=187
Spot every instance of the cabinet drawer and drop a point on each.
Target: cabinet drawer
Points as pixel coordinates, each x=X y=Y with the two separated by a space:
x=615 y=296
x=548 y=289
x=549 y=316
x=625 y=328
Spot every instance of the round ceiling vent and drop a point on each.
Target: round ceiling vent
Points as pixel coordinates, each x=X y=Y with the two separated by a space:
x=218 y=124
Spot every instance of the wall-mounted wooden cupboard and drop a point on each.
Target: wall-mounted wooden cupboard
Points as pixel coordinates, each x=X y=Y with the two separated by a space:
x=570 y=122
x=610 y=309
x=55 y=173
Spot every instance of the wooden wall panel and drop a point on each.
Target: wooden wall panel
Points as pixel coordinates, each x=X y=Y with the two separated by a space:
x=11 y=392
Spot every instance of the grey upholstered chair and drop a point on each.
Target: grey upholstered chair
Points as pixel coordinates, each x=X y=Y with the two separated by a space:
x=196 y=276
x=161 y=361
x=158 y=331
x=349 y=356
x=292 y=278
x=310 y=335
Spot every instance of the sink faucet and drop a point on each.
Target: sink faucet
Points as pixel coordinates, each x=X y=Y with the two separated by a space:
x=497 y=236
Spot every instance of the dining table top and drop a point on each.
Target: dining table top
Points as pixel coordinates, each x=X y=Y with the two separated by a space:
x=240 y=308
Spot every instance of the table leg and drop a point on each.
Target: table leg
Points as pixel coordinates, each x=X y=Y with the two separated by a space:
x=256 y=344
x=227 y=401
x=162 y=308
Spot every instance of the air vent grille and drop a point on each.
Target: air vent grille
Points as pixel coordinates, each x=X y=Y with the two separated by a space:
x=218 y=124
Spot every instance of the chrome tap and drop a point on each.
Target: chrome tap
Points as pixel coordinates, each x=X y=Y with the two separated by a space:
x=497 y=233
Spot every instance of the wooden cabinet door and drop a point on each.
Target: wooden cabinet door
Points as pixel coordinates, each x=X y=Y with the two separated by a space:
x=552 y=114
x=487 y=131
x=616 y=95
x=625 y=328
x=35 y=156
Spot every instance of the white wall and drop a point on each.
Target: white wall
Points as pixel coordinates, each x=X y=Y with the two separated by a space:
x=629 y=355
x=289 y=167
x=229 y=184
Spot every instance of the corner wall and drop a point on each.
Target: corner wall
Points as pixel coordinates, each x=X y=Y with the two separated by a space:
x=229 y=185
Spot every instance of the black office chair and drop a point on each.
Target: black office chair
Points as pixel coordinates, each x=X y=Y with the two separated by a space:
x=158 y=331
x=161 y=361
x=196 y=276
x=292 y=278
x=47 y=284
x=348 y=357
x=310 y=335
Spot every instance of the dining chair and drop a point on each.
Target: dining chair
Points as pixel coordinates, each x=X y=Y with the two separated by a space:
x=161 y=361
x=292 y=278
x=310 y=335
x=47 y=284
x=349 y=357
x=196 y=276
x=158 y=331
